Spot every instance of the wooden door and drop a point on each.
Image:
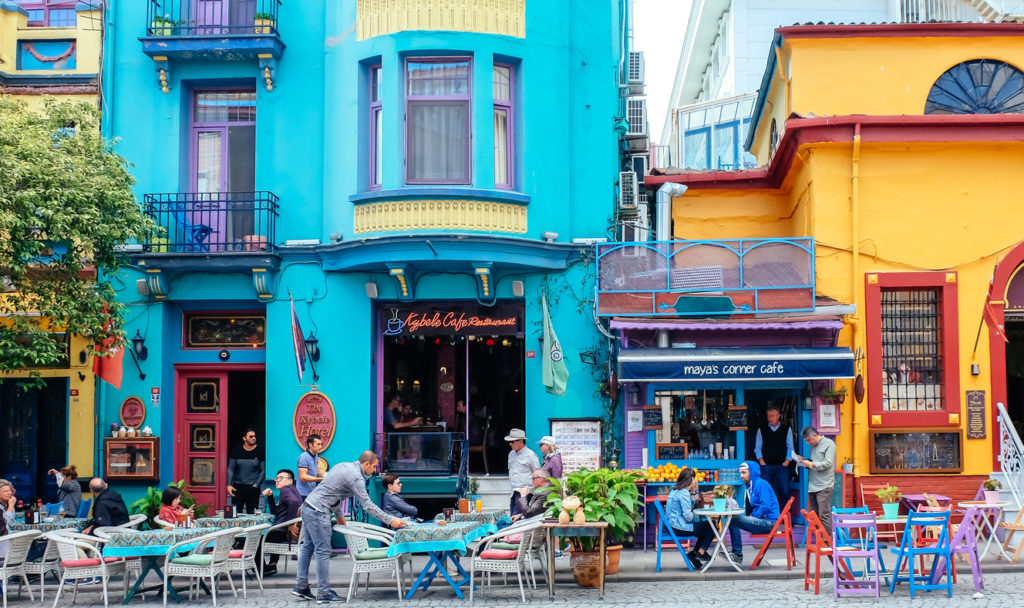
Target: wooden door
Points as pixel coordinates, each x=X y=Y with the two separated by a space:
x=201 y=433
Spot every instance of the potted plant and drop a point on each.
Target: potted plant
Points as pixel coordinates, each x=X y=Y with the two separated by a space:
x=265 y=23
x=890 y=496
x=722 y=493
x=149 y=505
x=161 y=25
x=834 y=396
x=991 y=490
x=606 y=495
x=473 y=492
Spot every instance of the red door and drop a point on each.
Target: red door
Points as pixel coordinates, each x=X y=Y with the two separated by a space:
x=201 y=435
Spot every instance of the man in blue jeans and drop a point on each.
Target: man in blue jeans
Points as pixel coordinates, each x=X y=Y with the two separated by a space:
x=762 y=507
x=345 y=480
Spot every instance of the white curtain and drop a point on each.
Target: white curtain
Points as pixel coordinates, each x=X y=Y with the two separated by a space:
x=500 y=146
x=439 y=141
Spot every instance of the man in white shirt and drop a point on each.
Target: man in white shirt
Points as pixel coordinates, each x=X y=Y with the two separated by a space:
x=521 y=463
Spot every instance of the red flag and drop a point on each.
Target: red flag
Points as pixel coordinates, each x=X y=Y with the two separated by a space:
x=110 y=369
x=990 y=316
x=298 y=341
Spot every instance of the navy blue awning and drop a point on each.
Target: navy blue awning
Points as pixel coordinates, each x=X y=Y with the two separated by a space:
x=734 y=364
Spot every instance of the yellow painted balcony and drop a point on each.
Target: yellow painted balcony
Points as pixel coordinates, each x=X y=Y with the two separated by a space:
x=380 y=17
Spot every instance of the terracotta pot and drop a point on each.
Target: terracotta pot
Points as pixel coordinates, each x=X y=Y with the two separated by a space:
x=586 y=568
x=613 y=559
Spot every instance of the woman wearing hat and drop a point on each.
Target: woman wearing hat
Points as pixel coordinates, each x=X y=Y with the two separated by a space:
x=552 y=458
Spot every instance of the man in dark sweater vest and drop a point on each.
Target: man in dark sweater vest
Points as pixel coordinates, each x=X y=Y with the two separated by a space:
x=772 y=446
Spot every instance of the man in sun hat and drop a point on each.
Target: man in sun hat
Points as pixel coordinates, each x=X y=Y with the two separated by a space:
x=521 y=463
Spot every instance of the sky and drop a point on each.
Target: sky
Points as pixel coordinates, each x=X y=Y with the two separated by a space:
x=658 y=29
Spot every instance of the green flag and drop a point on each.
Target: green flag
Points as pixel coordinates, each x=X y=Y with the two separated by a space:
x=555 y=375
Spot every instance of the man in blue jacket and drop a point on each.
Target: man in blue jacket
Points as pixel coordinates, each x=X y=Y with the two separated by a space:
x=762 y=508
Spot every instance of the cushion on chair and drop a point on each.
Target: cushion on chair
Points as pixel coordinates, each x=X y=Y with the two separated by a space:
x=375 y=553
x=498 y=554
x=514 y=538
x=87 y=563
x=193 y=560
x=506 y=546
x=236 y=553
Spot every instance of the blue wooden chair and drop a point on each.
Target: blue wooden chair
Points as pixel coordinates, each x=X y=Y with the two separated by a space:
x=83 y=508
x=53 y=508
x=917 y=528
x=667 y=534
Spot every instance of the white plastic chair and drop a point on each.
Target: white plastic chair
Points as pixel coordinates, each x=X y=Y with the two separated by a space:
x=49 y=562
x=200 y=565
x=504 y=561
x=366 y=559
x=244 y=559
x=71 y=546
x=14 y=564
x=286 y=549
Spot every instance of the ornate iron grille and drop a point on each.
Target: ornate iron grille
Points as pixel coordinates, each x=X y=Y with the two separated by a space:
x=912 y=349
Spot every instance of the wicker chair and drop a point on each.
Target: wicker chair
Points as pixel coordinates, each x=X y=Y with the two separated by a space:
x=14 y=564
x=49 y=562
x=287 y=549
x=162 y=524
x=132 y=565
x=504 y=561
x=199 y=564
x=135 y=521
x=366 y=559
x=244 y=559
x=71 y=547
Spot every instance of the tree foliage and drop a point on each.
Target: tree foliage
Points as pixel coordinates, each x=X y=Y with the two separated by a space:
x=66 y=203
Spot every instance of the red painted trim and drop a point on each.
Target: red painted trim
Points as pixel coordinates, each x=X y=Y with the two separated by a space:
x=996 y=347
x=950 y=353
x=840 y=129
x=893 y=30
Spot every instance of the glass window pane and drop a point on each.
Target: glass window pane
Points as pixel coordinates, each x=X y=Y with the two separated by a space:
x=209 y=161
x=696 y=150
x=438 y=142
x=697 y=118
x=36 y=16
x=225 y=106
x=375 y=84
x=500 y=146
x=63 y=17
x=912 y=345
x=439 y=78
x=502 y=83
x=378 y=144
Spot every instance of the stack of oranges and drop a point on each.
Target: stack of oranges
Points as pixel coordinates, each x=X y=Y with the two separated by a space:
x=663 y=472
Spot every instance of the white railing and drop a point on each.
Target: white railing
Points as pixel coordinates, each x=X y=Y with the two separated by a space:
x=1011 y=455
x=922 y=11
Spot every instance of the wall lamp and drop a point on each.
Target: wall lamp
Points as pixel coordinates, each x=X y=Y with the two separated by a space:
x=313 y=352
x=589 y=357
x=139 y=346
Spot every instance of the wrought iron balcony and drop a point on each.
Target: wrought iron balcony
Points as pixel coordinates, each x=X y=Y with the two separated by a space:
x=212 y=29
x=705 y=278
x=212 y=222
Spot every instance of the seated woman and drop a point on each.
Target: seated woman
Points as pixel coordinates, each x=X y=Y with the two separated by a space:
x=392 y=502
x=172 y=508
x=679 y=512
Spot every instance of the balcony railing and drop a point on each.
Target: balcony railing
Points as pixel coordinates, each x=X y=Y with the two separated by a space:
x=705 y=278
x=188 y=18
x=212 y=222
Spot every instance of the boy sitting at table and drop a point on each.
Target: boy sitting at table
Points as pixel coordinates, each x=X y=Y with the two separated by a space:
x=172 y=509
x=392 y=502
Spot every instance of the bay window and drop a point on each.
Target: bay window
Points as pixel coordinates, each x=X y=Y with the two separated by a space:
x=438 y=149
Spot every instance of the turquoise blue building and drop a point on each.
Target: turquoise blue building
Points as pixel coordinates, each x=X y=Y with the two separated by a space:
x=408 y=177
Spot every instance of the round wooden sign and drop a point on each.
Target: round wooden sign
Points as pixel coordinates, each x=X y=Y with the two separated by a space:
x=314 y=414
x=133 y=412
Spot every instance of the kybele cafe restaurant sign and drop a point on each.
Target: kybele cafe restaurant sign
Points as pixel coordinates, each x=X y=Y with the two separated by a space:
x=449 y=320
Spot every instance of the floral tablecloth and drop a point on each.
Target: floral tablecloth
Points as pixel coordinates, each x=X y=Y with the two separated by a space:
x=140 y=543
x=57 y=523
x=428 y=536
x=241 y=521
x=484 y=517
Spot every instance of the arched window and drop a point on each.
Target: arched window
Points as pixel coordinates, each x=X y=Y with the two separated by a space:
x=979 y=86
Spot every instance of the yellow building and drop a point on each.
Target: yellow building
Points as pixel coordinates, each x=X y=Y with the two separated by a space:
x=898 y=149
x=49 y=49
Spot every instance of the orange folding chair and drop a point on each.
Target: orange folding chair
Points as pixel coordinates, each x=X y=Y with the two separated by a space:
x=782 y=530
x=818 y=543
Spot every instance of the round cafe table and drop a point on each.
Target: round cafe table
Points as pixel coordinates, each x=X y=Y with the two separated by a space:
x=719 y=521
x=989 y=514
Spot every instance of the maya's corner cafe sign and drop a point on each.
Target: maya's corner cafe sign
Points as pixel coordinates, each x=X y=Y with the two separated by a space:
x=734 y=364
x=427 y=320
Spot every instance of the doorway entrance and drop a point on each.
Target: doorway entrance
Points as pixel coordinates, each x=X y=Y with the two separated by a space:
x=214 y=406
x=434 y=364
x=34 y=428
x=1015 y=371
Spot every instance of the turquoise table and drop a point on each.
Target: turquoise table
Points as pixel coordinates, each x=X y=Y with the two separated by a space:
x=441 y=544
x=151 y=547
x=54 y=523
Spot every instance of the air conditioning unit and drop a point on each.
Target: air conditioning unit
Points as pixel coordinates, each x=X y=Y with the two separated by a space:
x=635 y=73
x=639 y=163
x=636 y=116
x=628 y=190
x=637 y=231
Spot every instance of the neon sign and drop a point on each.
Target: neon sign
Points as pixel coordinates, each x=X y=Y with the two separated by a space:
x=500 y=320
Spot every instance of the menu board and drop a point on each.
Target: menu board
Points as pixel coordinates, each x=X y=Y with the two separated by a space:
x=579 y=442
x=975 y=414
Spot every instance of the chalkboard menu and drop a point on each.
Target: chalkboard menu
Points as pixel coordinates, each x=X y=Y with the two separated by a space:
x=579 y=443
x=652 y=417
x=737 y=417
x=919 y=450
x=975 y=414
x=671 y=451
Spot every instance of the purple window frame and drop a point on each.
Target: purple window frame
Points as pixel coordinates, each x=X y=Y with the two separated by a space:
x=375 y=112
x=222 y=126
x=510 y=134
x=46 y=6
x=451 y=99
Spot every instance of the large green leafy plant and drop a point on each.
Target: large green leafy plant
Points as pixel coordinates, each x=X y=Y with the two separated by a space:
x=149 y=505
x=607 y=495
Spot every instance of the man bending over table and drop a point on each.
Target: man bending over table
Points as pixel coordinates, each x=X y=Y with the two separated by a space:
x=345 y=480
